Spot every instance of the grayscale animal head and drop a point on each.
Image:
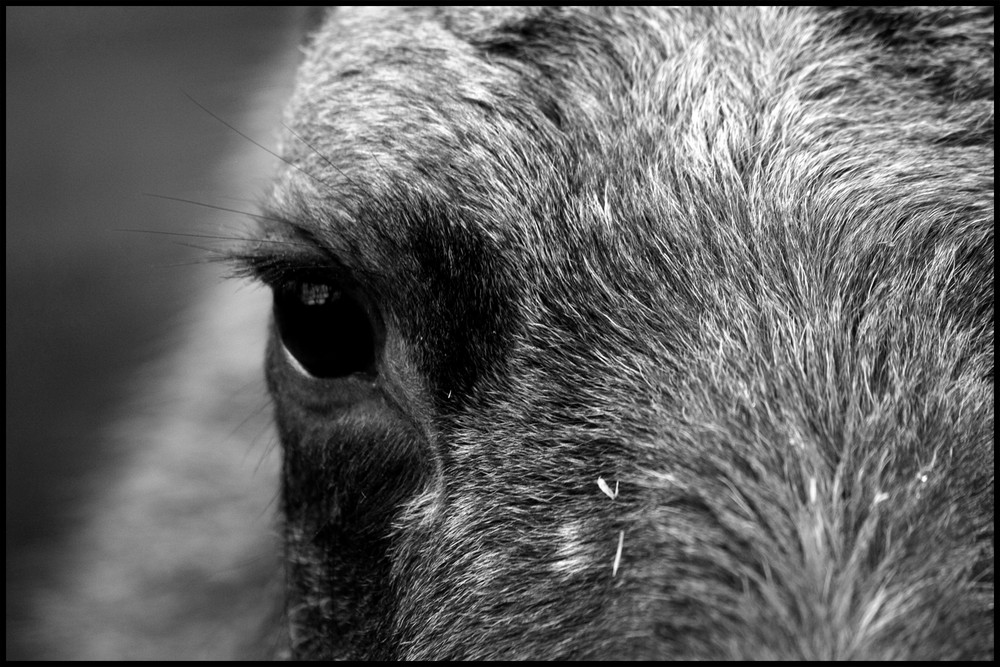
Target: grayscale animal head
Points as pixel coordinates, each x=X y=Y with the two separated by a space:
x=636 y=333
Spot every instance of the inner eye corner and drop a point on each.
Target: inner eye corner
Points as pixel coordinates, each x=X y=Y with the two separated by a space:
x=332 y=332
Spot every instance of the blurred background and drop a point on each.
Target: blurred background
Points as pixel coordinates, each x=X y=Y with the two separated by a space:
x=99 y=115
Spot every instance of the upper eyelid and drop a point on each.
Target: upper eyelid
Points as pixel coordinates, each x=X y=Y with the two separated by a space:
x=296 y=243
x=276 y=263
x=283 y=250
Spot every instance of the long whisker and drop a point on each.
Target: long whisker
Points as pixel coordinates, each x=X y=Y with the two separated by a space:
x=212 y=206
x=254 y=141
x=319 y=154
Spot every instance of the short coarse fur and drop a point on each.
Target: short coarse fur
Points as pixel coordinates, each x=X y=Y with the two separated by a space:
x=736 y=263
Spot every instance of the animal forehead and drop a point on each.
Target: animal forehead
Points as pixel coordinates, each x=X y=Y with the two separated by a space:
x=397 y=105
x=397 y=97
x=440 y=97
x=549 y=128
x=479 y=107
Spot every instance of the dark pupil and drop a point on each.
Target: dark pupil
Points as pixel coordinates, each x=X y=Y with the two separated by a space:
x=327 y=331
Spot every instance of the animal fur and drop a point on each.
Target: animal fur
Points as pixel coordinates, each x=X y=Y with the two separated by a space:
x=734 y=263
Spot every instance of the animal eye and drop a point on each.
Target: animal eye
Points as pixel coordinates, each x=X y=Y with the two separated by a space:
x=328 y=331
